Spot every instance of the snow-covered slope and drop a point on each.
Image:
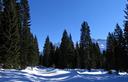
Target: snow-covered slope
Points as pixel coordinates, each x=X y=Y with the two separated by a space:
x=41 y=74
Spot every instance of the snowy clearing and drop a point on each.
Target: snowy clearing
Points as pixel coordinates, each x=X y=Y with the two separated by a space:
x=41 y=74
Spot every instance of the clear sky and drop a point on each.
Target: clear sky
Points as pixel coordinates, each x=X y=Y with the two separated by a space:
x=51 y=17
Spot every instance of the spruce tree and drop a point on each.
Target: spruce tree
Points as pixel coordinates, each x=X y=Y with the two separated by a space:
x=71 y=53
x=67 y=51
x=126 y=35
x=97 y=56
x=93 y=57
x=18 y=46
x=103 y=60
x=57 y=58
x=25 y=13
x=64 y=49
x=33 y=52
x=36 y=49
x=46 y=52
x=110 y=57
x=28 y=44
x=119 y=48
x=85 y=46
x=77 y=55
x=1 y=32
x=52 y=55
x=11 y=37
x=41 y=59
x=116 y=57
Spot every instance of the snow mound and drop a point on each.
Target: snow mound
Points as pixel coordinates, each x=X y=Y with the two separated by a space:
x=92 y=73
x=45 y=72
x=123 y=73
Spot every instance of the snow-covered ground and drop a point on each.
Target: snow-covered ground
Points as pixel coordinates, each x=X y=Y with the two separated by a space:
x=41 y=74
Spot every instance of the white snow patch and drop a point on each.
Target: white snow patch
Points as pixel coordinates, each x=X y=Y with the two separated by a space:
x=31 y=70
x=123 y=73
x=57 y=72
x=102 y=46
x=44 y=72
x=92 y=73
x=58 y=79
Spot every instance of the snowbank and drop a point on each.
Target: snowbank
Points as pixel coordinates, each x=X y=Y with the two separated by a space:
x=123 y=73
x=41 y=74
x=92 y=73
x=45 y=72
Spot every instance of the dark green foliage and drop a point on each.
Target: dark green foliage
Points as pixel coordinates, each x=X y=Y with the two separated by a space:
x=1 y=31
x=33 y=52
x=11 y=36
x=83 y=55
x=115 y=50
x=18 y=46
x=46 y=52
x=25 y=45
x=103 y=60
x=77 y=56
x=25 y=33
x=110 y=57
x=52 y=55
x=41 y=58
x=57 y=58
x=115 y=57
x=95 y=56
x=67 y=50
x=85 y=39
x=29 y=46
x=85 y=46
x=49 y=58
x=64 y=49
x=126 y=37
x=25 y=13
x=36 y=51
x=119 y=48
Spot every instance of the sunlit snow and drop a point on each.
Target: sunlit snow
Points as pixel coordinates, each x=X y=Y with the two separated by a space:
x=42 y=74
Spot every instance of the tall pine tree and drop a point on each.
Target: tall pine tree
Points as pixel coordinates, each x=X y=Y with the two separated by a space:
x=29 y=49
x=11 y=37
x=1 y=31
x=110 y=57
x=64 y=49
x=46 y=53
x=85 y=46
x=67 y=51
x=77 y=55
x=126 y=35
x=119 y=48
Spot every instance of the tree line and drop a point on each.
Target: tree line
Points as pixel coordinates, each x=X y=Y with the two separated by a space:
x=18 y=46
x=85 y=54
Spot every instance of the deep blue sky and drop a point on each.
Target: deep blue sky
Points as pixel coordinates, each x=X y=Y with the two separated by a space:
x=51 y=17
